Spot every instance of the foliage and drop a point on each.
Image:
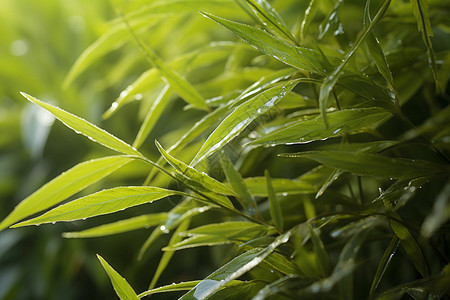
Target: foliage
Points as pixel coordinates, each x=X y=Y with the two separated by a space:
x=310 y=152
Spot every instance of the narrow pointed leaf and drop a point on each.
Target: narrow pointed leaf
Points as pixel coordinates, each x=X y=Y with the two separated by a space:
x=121 y=286
x=153 y=116
x=281 y=186
x=372 y=164
x=144 y=221
x=64 y=186
x=100 y=203
x=323 y=259
x=201 y=178
x=274 y=206
x=182 y=286
x=332 y=79
x=241 y=117
x=304 y=59
x=237 y=183
x=339 y=122
x=82 y=126
x=167 y=256
x=410 y=245
x=439 y=214
x=309 y=16
x=384 y=263
x=179 y=84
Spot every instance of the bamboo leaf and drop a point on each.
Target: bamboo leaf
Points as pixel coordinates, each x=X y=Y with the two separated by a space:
x=274 y=206
x=179 y=84
x=339 y=123
x=121 y=286
x=232 y=270
x=64 y=186
x=241 y=117
x=372 y=164
x=100 y=203
x=410 y=245
x=304 y=59
x=309 y=15
x=153 y=115
x=182 y=286
x=439 y=214
x=144 y=221
x=236 y=181
x=323 y=260
x=384 y=263
x=332 y=79
x=167 y=256
x=198 y=180
x=83 y=127
x=269 y=18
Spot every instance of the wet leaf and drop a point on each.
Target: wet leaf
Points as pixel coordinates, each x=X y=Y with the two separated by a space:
x=100 y=203
x=174 y=287
x=144 y=221
x=65 y=185
x=241 y=117
x=309 y=16
x=121 y=286
x=274 y=205
x=83 y=127
x=304 y=59
x=339 y=123
x=439 y=214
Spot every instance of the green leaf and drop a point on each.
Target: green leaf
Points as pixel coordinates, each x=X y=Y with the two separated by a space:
x=323 y=259
x=309 y=16
x=121 y=286
x=376 y=51
x=269 y=18
x=144 y=221
x=339 y=123
x=332 y=79
x=410 y=245
x=304 y=59
x=182 y=286
x=83 y=127
x=282 y=186
x=274 y=206
x=179 y=84
x=372 y=164
x=420 y=9
x=236 y=181
x=198 y=180
x=241 y=117
x=100 y=203
x=153 y=115
x=384 y=263
x=167 y=256
x=280 y=263
x=64 y=186
x=232 y=270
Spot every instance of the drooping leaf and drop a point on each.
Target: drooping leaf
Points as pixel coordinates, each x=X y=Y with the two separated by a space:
x=241 y=117
x=304 y=59
x=331 y=80
x=410 y=245
x=153 y=116
x=64 y=186
x=372 y=164
x=83 y=127
x=274 y=205
x=121 y=286
x=144 y=221
x=167 y=256
x=339 y=122
x=100 y=203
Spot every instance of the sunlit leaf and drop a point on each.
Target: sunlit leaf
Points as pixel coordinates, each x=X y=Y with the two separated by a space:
x=176 y=287
x=274 y=205
x=144 y=221
x=241 y=117
x=339 y=123
x=83 y=127
x=309 y=15
x=100 y=203
x=304 y=59
x=121 y=286
x=64 y=186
